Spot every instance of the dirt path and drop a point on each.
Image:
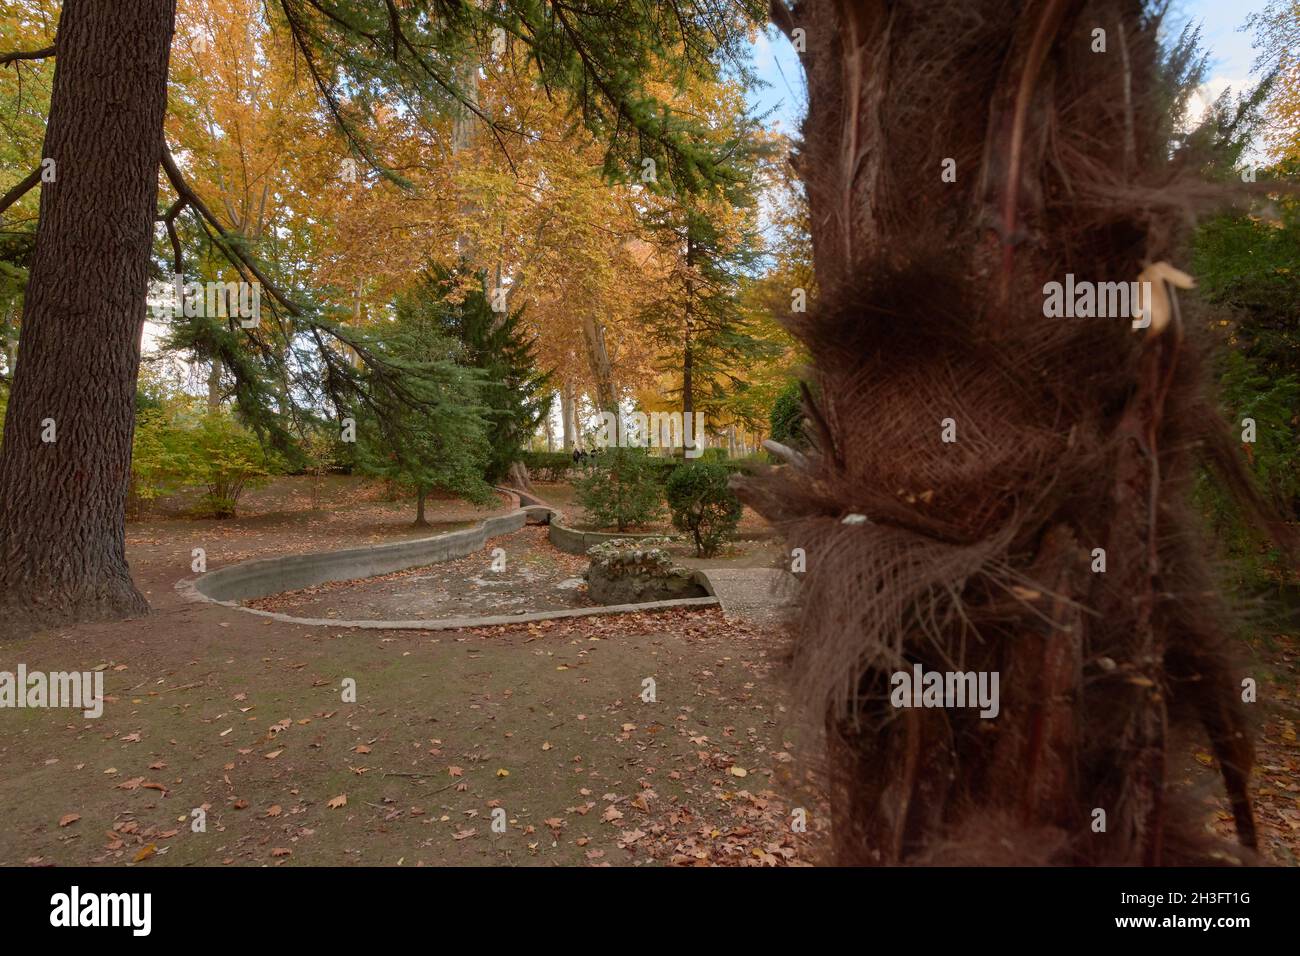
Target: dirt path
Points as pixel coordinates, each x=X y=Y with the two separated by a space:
x=242 y=717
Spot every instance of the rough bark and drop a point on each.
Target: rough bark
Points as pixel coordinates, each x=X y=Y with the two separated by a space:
x=62 y=548
x=420 y=494
x=972 y=553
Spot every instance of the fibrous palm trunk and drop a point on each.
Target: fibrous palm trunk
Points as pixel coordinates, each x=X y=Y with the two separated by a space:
x=957 y=157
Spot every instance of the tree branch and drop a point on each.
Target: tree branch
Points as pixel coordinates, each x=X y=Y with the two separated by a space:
x=227 y=245
x=781 y=17
x=17 y=193
x=7 y=58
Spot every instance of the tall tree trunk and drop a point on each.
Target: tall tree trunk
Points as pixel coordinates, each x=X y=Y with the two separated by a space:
x=214 y=384
x=688 y=377
x=62 y=548
x=601 y=367
x=420 y=494
x=688 y=331
x=567 y=401
x=462 y=139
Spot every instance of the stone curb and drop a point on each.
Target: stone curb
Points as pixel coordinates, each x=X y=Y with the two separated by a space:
x=260 y=577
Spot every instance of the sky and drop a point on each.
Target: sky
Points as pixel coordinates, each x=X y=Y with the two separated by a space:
x=1231 y=57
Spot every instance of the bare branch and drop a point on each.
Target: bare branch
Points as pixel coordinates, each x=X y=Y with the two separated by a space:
x=7 y=58
x=17 y=193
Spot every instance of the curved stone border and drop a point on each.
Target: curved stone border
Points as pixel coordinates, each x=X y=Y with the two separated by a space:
x=258 y=578
x=571 y=540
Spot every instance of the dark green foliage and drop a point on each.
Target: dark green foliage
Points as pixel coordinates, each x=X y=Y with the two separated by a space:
x=421 y=424
x=548 y=465
x=702 y=504
x=512 y=390
x=620 y=490
x=787 y=421
x=1250 y=267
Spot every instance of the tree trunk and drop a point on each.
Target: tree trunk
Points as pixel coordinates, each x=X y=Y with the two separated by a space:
x=688 y=356
x=601 y=368
x=958 y=155
x=688 y=378
x=420 y=493
x=62 y=548
x=214 y=384
x=568 y=417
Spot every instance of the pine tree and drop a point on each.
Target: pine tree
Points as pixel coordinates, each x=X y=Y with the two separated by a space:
x=513 y=391
x=422 y=424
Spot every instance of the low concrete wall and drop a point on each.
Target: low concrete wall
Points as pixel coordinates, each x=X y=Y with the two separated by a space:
x=573 y=541
x=254 y=579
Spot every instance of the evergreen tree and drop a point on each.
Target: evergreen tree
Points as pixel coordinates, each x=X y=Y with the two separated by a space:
x=710 y=245
x=422 y=424
x=514 y=392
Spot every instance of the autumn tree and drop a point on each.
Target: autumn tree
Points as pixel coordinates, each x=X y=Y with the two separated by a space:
x=62 y=554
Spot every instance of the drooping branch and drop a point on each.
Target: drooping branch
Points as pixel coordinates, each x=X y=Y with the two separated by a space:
x=225 y=242
x=170 y=219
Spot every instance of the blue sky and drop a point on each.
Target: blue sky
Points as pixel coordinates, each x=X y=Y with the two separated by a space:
x=1231 y=57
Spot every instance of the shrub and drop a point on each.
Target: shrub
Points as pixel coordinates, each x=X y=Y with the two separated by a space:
x=226 y=459
x=702 y=504
x=619 y=489
x=787 y=421
x=157 y=458
x=548 y=465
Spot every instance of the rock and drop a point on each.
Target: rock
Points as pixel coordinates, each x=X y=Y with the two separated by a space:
x=634 y=571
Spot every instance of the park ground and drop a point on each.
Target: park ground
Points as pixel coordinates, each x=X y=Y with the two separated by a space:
x=241 y=716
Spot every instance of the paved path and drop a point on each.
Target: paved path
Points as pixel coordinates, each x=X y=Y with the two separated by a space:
x=756 y=594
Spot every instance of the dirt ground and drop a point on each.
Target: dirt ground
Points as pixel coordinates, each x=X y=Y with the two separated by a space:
x=244 y=718
x=214 y=709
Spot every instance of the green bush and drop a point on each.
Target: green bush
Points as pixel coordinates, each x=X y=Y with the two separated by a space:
x=620 y=489
x=157 y=459
x=226 y=459
x=548 y=465
x=703 y=504
x=787 y=421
